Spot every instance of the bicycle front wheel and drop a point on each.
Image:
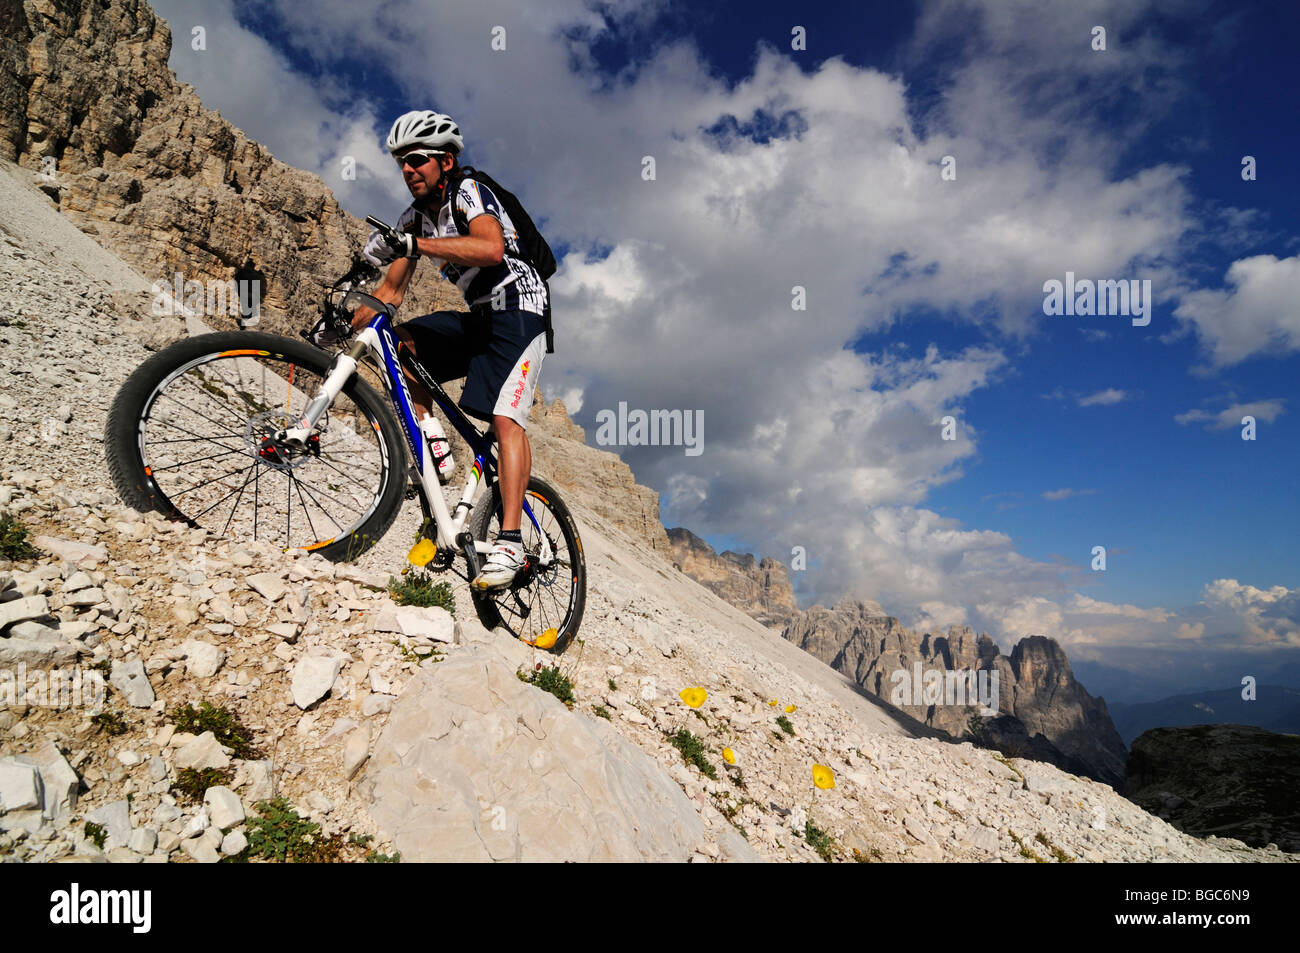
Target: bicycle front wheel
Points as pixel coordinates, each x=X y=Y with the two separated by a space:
x=192 y=434
x=551 y=592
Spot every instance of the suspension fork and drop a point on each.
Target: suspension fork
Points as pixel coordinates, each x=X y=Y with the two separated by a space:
x=344 y=366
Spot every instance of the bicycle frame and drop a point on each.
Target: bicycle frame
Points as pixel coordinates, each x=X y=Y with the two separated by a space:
x=377 y=338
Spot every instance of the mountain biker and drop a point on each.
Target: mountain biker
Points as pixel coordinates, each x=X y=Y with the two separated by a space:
x=498 y=346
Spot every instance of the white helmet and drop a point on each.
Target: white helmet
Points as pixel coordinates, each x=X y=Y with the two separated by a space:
x=425 y=128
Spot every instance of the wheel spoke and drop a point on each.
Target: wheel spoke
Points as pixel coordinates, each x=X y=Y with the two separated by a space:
x=243 y=401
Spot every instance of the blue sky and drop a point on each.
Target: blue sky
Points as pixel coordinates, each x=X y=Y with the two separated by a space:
x=820 y=168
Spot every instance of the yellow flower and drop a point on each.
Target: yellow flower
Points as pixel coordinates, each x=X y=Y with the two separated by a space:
x=695 y=697
x=823 y=777
x=422 y=552
x=773 y=703
x=728 y=756
x=790 y=709
x=547 y=639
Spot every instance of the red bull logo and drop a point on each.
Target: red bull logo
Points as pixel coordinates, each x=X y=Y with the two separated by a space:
x=519 y=390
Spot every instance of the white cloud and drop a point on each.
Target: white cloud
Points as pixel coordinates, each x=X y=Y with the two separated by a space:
x=1065 y=493
x=1103 y=398
x=1269 y=616
x=1265 y=410
x=1256 y=315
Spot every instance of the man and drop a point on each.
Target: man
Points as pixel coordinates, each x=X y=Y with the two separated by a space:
x=499 y=345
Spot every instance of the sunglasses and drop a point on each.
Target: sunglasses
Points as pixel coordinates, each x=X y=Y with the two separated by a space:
x=416 y=159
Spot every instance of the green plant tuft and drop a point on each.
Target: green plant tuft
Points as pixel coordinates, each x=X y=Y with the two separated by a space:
x=1025 y=851
x=279 y=834
x=13 y=539
x=418 y=588
x=222 y=722
x=191 y=783
x=409 y=654
x=375 y=857
x=818 y=840
x=550 y=680
x=601 y=712
x=692 y=750
x=613 y=685
x=784 y=724
x=110 y=722
x=96 y=834
x=1061 y=856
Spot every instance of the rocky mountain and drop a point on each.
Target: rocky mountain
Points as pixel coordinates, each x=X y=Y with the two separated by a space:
x=132 y=157
x=1274 y=708
x=1227 y=780
x=759 y=588
x=1050 y=713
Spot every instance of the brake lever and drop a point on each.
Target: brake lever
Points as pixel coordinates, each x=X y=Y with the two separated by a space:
x=381 y=226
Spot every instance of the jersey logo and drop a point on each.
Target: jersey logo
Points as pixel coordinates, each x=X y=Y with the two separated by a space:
x=519 y=390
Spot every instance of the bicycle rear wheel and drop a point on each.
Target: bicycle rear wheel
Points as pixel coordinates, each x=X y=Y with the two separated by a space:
x=548 y=594
x=192 y=435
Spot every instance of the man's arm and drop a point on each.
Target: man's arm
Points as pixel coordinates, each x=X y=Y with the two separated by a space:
x=484 y=246
x=391 y=290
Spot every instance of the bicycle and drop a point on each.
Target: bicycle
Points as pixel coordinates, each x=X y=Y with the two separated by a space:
x=220 y=419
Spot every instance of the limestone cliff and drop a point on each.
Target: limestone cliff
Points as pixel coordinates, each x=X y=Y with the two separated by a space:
x=1035 y=685
x=133 y=157
x=759 y=588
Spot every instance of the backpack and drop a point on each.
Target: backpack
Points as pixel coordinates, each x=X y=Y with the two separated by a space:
x=535 y=250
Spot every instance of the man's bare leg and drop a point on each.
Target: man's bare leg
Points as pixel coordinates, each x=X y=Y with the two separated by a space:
x=514 y=463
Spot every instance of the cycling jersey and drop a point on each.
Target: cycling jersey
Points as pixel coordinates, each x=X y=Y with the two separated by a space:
x=523 y=289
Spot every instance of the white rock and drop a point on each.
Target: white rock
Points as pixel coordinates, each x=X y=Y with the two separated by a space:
x=313 y=677
x=129 y=759
x=143 y=840
x=433 y=623
x=58 y=781
x=260 y=787
x=233 y=843
x=132 y=682
x=115 y=818
x=202 y=659
x=377 y=704
x=285 y=630
x=164 y=814
x=78 y=580
x=85 y=597
x=200 y=851
x=224 y=807
x=198 y=823
x=317 y=803
x=22 y=610
x=82 y=555
x=355 y=753
x=267 y=584
x=20 y=786
x=203 y=752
